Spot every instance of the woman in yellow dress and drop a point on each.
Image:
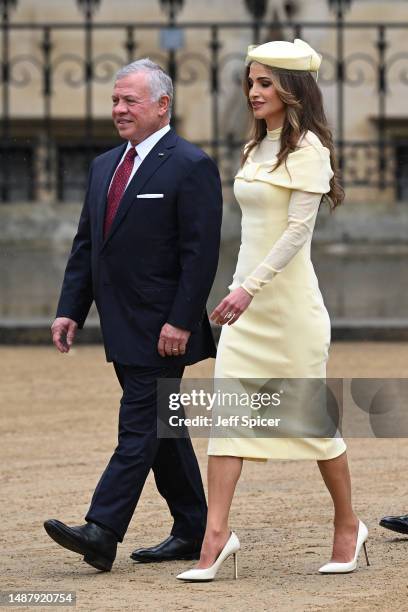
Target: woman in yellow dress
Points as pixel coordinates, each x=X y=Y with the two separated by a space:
x=275 y=324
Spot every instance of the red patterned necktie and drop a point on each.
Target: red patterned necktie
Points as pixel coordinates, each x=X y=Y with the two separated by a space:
x=117 y=188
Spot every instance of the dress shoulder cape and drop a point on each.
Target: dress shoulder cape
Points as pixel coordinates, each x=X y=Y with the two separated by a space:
x=306 y=169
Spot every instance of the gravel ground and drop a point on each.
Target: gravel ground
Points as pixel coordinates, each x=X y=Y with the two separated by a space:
x=58 y=428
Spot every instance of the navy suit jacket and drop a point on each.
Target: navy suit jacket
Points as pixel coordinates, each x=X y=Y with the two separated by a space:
x=157 y=263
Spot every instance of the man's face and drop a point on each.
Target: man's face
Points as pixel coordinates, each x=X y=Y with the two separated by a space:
x=134 y=113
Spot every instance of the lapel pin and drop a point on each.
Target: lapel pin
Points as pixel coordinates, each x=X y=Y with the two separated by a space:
x=161 y=154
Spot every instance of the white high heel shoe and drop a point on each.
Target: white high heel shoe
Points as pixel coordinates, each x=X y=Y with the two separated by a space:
x=343 y=568
x=205 y=575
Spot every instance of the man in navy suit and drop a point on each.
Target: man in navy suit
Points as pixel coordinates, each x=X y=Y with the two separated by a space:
x=146 y=252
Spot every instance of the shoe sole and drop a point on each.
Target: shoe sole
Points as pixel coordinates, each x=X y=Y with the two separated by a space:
x=332 y=573
x=192 y=557
x=394 y=528
x=64 y=538
x=196 y=581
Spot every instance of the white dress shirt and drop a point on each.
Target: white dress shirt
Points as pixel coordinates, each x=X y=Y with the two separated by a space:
x=142 y=150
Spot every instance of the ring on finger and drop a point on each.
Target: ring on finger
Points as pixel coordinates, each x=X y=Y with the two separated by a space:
x=229 y=315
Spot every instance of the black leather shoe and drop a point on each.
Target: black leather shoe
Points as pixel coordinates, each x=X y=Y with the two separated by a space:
x=170 y=549
x=96 y=544
x=395 y=523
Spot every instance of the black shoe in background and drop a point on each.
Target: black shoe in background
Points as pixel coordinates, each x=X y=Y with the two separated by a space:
x=395 y=523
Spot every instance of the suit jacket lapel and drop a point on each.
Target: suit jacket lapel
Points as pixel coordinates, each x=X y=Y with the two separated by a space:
x=152 y=162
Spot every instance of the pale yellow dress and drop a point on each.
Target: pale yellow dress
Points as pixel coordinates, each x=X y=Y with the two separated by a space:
x=285 y=331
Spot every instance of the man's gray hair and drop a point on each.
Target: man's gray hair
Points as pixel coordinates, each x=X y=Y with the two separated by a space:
x=160 y=82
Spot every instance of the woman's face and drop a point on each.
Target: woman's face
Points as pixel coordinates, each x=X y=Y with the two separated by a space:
x=263 y=97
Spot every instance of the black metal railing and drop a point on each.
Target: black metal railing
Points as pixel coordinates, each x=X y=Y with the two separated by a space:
x=47 y=142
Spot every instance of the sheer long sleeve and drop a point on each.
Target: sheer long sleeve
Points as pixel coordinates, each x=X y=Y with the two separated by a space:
x=302 y=211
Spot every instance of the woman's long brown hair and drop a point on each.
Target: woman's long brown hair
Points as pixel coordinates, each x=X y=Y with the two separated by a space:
x=302 y=97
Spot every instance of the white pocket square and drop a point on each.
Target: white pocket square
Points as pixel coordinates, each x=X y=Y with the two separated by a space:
x=151 y=195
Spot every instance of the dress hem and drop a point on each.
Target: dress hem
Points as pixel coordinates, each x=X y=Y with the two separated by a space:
x=323 y=457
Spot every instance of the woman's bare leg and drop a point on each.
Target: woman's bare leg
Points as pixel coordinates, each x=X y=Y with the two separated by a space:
x=223 y=475
x=336 y=476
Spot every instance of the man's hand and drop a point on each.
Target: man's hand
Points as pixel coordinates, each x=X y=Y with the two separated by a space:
x=231 y=307
x=172 y=341
x=63 y=333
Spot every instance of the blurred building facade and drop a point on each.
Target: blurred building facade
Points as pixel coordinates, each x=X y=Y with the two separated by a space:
x=59 y=59
x=58 y=62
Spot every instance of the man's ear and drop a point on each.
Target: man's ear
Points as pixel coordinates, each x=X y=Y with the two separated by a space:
x=164 y=102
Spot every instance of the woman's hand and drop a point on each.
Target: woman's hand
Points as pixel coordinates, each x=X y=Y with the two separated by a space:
x=231 y=307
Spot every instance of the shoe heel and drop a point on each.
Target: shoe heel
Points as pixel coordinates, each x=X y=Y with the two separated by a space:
x=98 y=562
x=365 y=552
x=235 y=566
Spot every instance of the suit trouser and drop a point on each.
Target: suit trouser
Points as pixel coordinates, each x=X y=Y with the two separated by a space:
x=173 y=461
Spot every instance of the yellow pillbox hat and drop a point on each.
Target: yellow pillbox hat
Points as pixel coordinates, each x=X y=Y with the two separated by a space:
x=282 y=54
